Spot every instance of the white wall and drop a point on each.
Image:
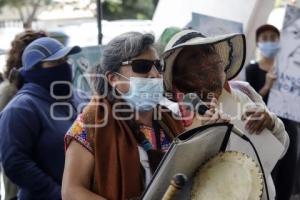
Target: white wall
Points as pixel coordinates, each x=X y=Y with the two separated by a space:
x=252 y=13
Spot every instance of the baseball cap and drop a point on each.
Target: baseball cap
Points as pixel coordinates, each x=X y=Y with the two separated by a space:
x=45 y=49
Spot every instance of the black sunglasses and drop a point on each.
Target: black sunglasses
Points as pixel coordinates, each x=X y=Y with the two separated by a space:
x=142 y=66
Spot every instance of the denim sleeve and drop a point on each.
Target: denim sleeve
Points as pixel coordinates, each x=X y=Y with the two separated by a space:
x=19 y=132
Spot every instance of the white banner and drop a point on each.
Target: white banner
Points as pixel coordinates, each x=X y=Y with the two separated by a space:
x=284 y=99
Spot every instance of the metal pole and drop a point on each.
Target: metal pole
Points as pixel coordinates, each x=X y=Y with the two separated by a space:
x=99 y=19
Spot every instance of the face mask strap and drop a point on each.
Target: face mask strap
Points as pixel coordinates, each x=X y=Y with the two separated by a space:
x=115 y=88
x=121 y=75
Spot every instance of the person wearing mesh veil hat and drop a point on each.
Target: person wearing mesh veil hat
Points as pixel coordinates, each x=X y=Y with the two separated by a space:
x=205 y=65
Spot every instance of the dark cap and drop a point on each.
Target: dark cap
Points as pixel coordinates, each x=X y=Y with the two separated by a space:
x=45 y=49
x=266 y=27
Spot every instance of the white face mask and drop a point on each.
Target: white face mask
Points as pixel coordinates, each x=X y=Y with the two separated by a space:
x=144 y=93
x=269 y=49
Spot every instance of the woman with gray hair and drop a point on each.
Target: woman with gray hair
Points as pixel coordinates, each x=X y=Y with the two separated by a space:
x=115 y=145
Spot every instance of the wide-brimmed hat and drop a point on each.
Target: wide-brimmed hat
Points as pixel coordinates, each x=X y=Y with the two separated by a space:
x=230 y=47
x=45 y=49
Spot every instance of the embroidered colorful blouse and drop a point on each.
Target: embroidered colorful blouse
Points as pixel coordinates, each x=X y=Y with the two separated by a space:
x=79 y=133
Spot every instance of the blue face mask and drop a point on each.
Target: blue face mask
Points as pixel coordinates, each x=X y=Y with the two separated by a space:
x=144 y=93
x=269 y=49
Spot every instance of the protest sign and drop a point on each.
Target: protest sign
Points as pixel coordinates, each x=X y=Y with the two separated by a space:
x=284 y=98
x=82 y=64
x=211 y=26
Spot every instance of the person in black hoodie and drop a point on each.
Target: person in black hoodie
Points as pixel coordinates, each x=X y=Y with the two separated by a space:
x=33 y=124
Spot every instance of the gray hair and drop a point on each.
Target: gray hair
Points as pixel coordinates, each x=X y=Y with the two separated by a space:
x=122 y=48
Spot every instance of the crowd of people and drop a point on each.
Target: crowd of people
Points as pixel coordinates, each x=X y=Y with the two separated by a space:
x=57 y=142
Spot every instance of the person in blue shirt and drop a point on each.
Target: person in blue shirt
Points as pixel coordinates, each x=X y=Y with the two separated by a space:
x=9 y=87
x=33 y=124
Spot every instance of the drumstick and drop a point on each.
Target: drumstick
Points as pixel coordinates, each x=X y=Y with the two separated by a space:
x=177 y=183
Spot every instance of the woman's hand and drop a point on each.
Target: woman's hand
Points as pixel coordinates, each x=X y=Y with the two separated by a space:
x=257 y=119
x=213 y=115
x=270 y=78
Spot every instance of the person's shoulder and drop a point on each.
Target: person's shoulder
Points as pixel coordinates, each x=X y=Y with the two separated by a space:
x=97 y=106
x=247 y=89
x=242 y=86
x=253 y=65
x=20 y=107
x=21 y=101
x=235 y=84
x=7 y=92
x=83 y=128
x=80 y=132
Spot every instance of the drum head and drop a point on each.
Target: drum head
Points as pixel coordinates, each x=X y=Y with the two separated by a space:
x=228 y=176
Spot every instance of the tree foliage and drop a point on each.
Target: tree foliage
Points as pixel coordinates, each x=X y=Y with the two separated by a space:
x=128 y=9
x=27 y=9
x=112 y=9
